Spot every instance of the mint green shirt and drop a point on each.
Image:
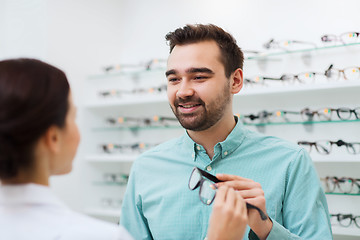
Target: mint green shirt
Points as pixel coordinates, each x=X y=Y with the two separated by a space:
x=159 y=205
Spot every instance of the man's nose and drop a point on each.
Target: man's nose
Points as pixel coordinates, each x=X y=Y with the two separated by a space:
x=185 y=90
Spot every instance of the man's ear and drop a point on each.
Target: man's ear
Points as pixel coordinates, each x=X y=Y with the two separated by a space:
x=52 y=139
x=236 y=81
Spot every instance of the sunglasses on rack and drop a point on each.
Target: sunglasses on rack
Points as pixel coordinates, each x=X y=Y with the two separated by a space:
x=207 y=192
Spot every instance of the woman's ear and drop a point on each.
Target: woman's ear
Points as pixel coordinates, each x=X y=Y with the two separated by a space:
x=52 y=139
x=236 y=81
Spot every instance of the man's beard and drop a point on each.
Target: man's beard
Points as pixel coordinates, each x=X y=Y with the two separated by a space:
x=209 y=115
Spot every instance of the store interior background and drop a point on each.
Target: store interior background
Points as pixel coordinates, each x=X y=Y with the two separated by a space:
x=83 y=36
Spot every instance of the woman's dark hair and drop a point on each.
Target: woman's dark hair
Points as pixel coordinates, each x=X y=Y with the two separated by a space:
x=33 y=97
x=231 y=55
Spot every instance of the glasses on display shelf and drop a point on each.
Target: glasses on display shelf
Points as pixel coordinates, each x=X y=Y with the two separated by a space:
x=121 y=148
x=208 y=189
x=342 y=185
x=345 y=220
x=156 y=63
x=138 y=122
x=344 y=38
x=305 y=77
x=266 y=116
x=114 y=93
x=324 y=147
x=148 y=65
x=325 y=114
x=349 y=73
x=287 y=45
x=120 y=178
x=138 y=91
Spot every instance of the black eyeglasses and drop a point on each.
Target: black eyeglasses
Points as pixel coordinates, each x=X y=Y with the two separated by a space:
x=343 y=184
x=345 y=220
x=265 y=116
x=349 y=73
x=324 y=147
x=345 y=38
x=208 y=189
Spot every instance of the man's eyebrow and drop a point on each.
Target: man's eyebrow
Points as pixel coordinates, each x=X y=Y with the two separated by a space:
x=172 y=71
x=191 y=70
x=200 y=70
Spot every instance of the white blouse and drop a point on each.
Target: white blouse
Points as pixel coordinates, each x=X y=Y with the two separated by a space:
x=32 y=211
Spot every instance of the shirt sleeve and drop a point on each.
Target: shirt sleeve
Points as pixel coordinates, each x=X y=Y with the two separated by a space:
x=132 y=217
x=305 y=210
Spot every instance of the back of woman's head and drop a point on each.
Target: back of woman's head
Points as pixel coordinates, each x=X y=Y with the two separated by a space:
x=33 y=97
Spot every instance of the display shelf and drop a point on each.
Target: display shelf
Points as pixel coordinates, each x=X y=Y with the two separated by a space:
x=300 y=122
x=342 y=194
x=120 y=128
x=111 y=158
x=265 y=55
x=247 y=91
x=103 y=212
x=161 y=70
x=345 y=231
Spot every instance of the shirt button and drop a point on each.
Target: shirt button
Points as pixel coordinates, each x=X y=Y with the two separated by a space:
x=209 y=168
x=198 y=148
x=225 y=153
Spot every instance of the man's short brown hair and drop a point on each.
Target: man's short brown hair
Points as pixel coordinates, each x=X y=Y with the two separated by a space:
x=231 y=55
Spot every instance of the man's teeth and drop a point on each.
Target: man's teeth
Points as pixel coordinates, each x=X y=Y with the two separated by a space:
x=189 y=106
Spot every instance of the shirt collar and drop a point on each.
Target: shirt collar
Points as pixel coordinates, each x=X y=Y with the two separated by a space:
x=228 y=146
x=33 y=194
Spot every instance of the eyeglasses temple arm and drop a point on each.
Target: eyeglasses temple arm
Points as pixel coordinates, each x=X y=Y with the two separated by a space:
x=262 y=214
x=209 y=176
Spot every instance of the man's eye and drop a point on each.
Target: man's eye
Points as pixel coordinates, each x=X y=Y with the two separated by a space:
x=200 y=77
x=173 y=79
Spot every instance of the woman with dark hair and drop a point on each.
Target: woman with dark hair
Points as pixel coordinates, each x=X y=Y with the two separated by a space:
x=39 y=138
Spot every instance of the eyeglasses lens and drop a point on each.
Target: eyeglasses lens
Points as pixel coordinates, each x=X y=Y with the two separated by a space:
x=345 y=220
x=323 y=147
x=351 y=37
x=357 y=221
x=345 y=185
x=195 y=178
x=352 y=73
x=332 y=74
x=353 y=148
x=344 y=113
x=207 y=192
x=324 y=114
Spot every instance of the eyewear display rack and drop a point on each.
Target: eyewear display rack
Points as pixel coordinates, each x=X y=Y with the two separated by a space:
x=254 y=98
